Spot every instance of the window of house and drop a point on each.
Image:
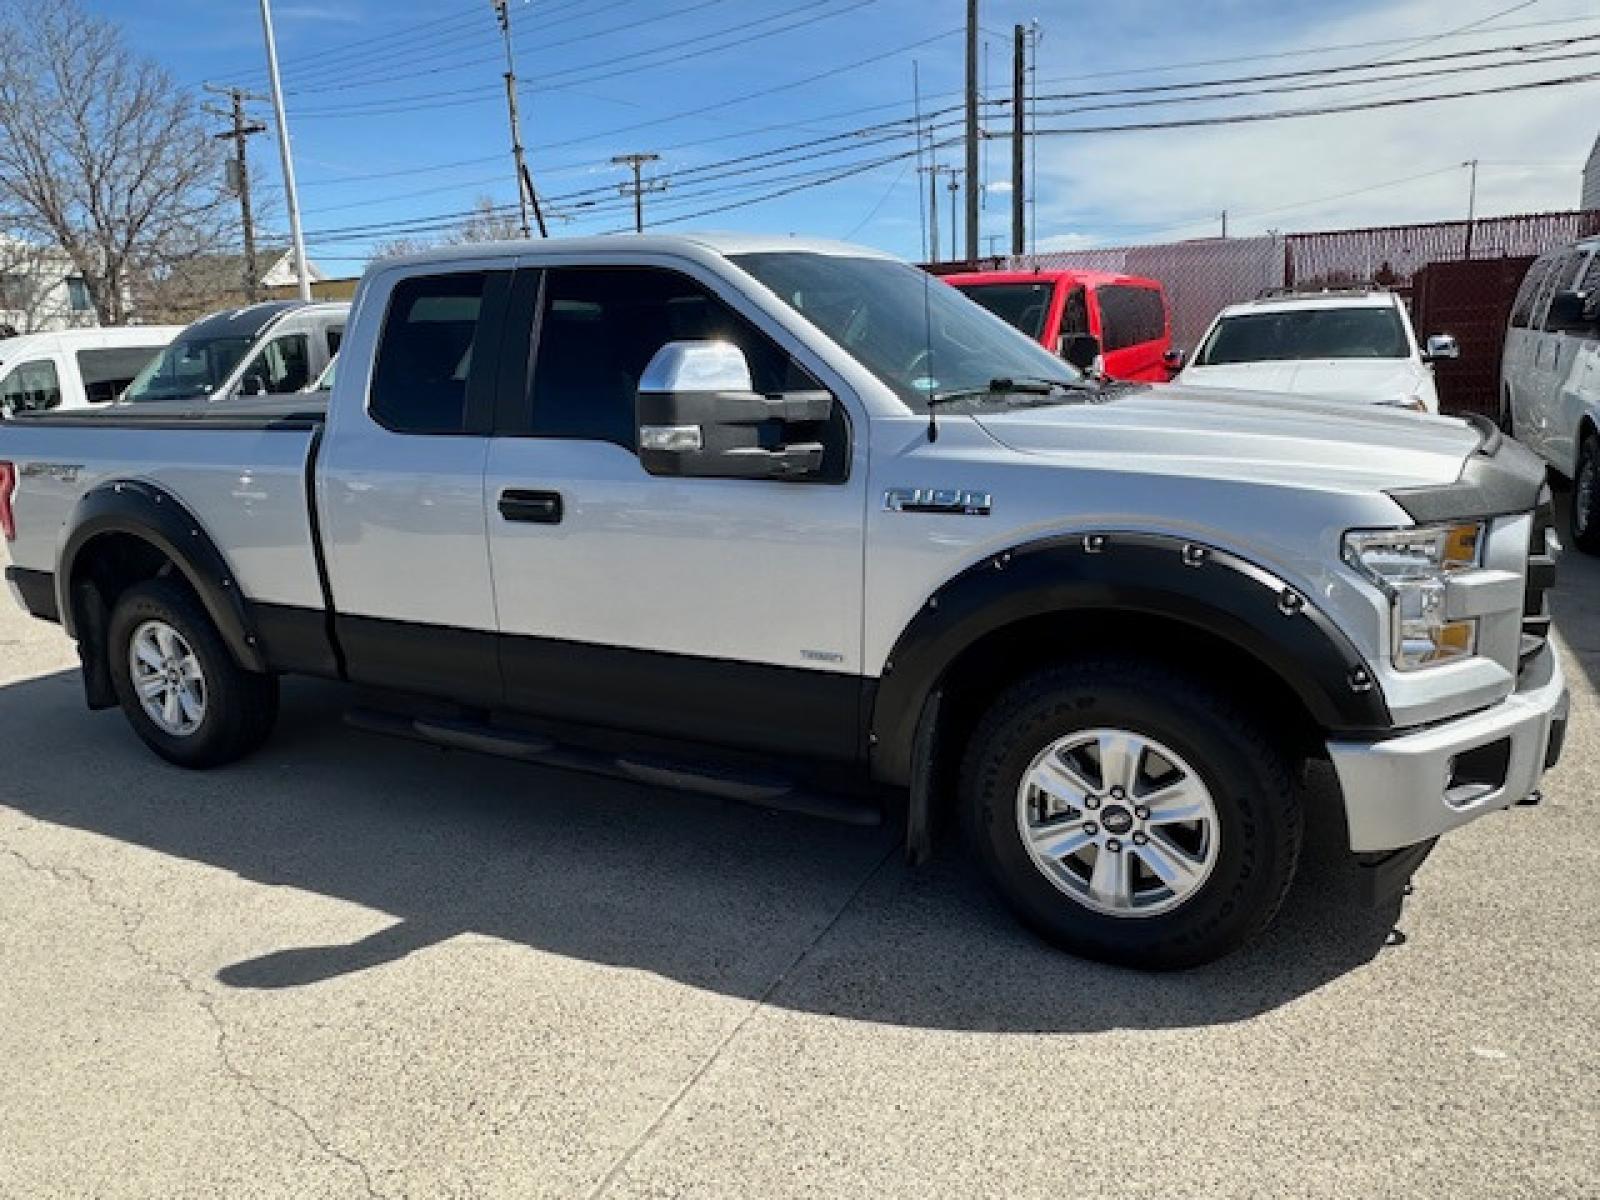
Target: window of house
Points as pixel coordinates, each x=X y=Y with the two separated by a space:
x=78 y=294
x=601 y=327
x=108 y=370
x=419 y=382
x=1130 y=316
x=31 y=387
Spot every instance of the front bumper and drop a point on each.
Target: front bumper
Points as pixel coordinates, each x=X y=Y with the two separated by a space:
x=1405 y=789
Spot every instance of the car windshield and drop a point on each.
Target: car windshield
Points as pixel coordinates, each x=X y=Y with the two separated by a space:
x=919 y=336
x=1023 y=306
x=1305 y=333
x=190 y=367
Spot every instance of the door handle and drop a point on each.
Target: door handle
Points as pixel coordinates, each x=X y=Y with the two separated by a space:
x=534 y=508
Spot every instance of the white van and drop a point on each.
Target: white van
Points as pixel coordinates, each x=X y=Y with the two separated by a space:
x=1550 y=375
x=260 y=350
x=75 y=368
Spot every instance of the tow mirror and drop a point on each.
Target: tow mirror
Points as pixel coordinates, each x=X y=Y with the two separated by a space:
x=1440 y=347
x=699 y=416
x=1080 y=349
x=1174 y=360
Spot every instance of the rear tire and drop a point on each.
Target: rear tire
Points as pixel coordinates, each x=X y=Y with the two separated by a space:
x=179 y=685
x=1586 y=497
x=1090 y=867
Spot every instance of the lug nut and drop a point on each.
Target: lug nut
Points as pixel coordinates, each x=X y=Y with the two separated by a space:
x=1117 y=793
x=1091 y=802
x=1139 y=839
x=1142 y=813
x=1091 y=829
x=1114 y=846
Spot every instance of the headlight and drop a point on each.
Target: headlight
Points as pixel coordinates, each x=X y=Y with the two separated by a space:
x=1411 y=567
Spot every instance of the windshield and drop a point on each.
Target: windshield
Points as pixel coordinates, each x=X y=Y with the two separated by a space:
x=1023 y=306
x=1305 y=333
x=919 y=336
x=189 y=367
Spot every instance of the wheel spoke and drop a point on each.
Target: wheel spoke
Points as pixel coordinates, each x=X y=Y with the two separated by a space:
x=171 y=708
x=147 y=652
x=1120 y=756
x=1111 y=881
x=1062 y=784
x=1177 y=869
x=168 y=642
x=152 y=686
x=1059 y=840
x=1185 y=800
x=190 y=705
x=190 y=667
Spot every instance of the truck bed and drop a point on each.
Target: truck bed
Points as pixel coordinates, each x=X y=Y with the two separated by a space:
x=303 y=410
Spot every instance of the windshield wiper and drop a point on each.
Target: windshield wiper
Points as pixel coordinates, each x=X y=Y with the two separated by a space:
x=1019 y=385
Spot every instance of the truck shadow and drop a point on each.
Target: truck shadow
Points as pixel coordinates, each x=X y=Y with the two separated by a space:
x=1576 y=598
x=803 y=914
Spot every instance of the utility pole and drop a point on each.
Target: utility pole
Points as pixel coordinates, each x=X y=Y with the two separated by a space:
x=934 y=170
x=972 y=132
x=291 y=192
x=526 y=196
x=1019 y=63
x=953 y=187
x=638 y=187
x=1472 y=200
x=239 y=174
x=1224 y=224
x=1035 y=36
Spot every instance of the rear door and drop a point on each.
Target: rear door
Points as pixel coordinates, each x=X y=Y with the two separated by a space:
x=400 y=485
x=721 y=610
x=1133 y=331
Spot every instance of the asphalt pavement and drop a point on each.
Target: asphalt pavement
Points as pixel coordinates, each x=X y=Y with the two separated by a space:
x=356 y=967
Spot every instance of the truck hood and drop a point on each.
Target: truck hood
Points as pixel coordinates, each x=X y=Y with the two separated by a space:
x=1293 y=440
x=1370 y=381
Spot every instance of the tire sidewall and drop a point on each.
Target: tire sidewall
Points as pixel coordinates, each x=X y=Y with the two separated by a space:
x=1250 y=872
x=159 y=600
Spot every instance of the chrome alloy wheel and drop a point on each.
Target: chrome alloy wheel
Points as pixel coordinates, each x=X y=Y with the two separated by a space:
x=167 y=678
x=1119 y=822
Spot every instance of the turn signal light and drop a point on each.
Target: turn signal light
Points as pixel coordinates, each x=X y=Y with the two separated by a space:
x=8 y=485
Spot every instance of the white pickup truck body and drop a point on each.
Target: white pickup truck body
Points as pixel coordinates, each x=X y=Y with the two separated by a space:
x=520 y=530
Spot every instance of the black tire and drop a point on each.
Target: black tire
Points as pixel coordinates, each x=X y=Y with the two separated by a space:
x=240 y=707
x=1251 y=783
x=1586 y=497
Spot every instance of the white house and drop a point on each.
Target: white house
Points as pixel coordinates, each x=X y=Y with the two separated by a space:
x=1591 y=179
x=40 y=290
x=282 y=273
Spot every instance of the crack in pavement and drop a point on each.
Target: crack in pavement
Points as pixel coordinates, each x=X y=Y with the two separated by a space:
x=759 y=1003
x=132 y=919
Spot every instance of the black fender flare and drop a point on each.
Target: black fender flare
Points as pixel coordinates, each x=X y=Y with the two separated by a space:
x=156 y=516
x=1190 y=582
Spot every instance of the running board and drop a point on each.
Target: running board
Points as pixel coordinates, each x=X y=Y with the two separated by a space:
x=764 y=791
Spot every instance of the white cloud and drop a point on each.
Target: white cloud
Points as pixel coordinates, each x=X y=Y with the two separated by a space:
x=1297 y=174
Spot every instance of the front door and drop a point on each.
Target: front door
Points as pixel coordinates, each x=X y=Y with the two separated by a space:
x=722 y=610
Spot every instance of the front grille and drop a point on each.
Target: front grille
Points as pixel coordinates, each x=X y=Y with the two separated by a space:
x=1541 y=578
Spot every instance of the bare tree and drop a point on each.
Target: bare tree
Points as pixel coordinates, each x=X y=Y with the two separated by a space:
x=489 y=222
x=101 y=152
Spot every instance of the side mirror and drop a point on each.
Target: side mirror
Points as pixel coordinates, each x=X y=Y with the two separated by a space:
x=1174 y=360
x=1440 y=346
x=1568 y=310
x=1080 y=349
x=699 y=417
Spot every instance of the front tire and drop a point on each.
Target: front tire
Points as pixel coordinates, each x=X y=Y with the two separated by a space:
x=179 y=685
x=1586 y=497
x=1132 y=814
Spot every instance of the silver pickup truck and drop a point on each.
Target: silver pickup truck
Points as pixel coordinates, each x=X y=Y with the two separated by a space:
x=781 y=521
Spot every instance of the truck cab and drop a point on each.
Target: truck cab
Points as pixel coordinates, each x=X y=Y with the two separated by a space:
x=1125 y=315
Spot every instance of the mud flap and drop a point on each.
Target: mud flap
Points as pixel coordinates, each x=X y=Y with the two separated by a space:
x=1384 y=876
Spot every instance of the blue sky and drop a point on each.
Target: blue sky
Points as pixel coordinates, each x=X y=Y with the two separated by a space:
x=397 y=110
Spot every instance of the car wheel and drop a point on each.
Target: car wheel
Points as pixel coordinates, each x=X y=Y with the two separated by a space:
x=179 y=685
x=1132 y=814
x=1586 y=497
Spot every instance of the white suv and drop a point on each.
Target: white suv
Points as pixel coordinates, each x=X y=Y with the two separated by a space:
x=1550 y=375
x=1357 y=345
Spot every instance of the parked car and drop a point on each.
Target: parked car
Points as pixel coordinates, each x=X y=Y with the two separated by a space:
x=1356 y=345
x=790 y=522
x=263 y=349
x=1550 y=375
x=1084 y=315
x=75 y=368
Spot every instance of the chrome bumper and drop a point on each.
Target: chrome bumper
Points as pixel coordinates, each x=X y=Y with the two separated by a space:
x=1414 y=786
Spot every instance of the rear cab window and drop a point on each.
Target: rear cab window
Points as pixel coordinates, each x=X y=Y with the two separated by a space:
x=427 y=379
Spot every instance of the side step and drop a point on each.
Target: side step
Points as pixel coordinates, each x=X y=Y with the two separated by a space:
x=765 y=791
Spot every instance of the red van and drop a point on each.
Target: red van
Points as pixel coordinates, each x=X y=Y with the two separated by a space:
x=1126 y=315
